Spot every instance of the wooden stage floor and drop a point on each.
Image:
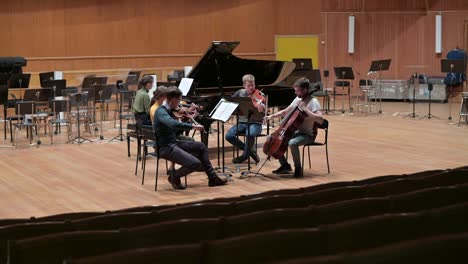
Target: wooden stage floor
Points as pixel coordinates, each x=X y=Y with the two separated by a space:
x=99 y=176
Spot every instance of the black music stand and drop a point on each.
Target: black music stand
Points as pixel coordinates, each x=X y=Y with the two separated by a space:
x=378 y=66
x=246 y=108
x=89 y=82
x=414 y=79
x=343 y=73
x=77 y=98
x=453 y=67
x=57 y=86
x=120 y=93
x=430 y=87
x=221 y=113
x=20 y=80
x=303 y=63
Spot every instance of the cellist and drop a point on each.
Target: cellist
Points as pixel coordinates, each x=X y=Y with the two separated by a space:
x=307 y=131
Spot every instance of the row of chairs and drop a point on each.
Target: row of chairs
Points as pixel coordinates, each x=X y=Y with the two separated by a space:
x=309 y=214
x=387 y=183
x=234 y=242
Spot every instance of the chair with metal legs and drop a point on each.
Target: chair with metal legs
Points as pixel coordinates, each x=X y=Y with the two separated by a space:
x=26 y=109
x=151 y=139
x=323 y=126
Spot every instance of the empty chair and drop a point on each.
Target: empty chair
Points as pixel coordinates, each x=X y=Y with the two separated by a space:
x=201 y=210
x=324 y=127
x=188 y=254
x=26 y=110
x=27 y=230
x=266 y=247
x=58 y=247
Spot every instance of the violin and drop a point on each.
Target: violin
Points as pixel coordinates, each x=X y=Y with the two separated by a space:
x=258 y=99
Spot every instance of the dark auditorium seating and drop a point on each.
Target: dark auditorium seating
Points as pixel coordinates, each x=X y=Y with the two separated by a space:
x=20 y=231
x=342 y=217
x=433 y=250
x=187 y=254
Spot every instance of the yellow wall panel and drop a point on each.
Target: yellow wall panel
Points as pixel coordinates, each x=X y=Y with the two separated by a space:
x=305 y=46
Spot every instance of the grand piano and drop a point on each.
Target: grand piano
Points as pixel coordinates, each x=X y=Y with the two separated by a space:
x=219 y=74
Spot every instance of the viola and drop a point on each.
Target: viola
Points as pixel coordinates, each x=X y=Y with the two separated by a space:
x=257 y=98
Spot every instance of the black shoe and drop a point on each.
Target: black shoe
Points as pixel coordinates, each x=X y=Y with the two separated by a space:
x=175 y=182
x=284 y=169
x=216 y=181
x=255 y=156
x=298 y=172
x=239 y=159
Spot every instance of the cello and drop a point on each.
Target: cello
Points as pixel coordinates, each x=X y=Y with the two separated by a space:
x=277 y=143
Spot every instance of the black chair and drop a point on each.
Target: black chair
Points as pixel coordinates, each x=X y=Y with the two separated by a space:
x=343 y=85
x=58 y=106
x=192 y=254
x=150 y=138
x=25 y=110
x=323 y=126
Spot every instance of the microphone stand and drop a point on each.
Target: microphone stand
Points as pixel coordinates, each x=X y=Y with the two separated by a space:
x=415 y=79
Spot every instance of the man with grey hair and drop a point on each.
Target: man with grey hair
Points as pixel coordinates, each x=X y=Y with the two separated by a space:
x=253 y=125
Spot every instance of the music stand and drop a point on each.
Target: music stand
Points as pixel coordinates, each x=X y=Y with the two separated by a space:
x=378 y=66
x=343 y=73
x=221 y=113
x=120 y=93
x=246 y=108
x=45 y=76
x=57 y=86
x=303 y=63
x=89 y=82
x=77 y=98
x=453 y=67
x=430 y=87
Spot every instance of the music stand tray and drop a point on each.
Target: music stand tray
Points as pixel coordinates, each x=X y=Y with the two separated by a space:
x=344 y=73
x=452 y=66
x=380 y=65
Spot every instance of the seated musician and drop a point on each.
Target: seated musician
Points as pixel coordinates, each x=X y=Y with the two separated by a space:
x=191 y=155
x=141 y=103
x=254 y=125
x=158 y=98
x=307 y=131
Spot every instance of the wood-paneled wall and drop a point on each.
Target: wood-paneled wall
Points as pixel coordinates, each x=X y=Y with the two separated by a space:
x=92 y=35
x=402 y=30
x=96 y=34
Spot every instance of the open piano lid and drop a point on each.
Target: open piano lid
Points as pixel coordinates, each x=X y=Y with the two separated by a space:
x=220 y=68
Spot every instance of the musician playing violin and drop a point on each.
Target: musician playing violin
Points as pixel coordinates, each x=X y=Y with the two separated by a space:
x=158 y=98
x=307 y=131
x=192 y=155
x=254 y=124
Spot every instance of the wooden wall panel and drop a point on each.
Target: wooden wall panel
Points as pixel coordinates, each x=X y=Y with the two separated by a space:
x=408 y=38
x=66 y=29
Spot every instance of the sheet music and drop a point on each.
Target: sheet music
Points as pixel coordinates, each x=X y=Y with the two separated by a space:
x=185 y=85
x=187 y=70
x=224 y=110
x=58 y=75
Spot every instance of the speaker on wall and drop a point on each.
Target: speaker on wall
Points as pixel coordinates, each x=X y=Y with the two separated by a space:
x=438 y=33
x=351 y=34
